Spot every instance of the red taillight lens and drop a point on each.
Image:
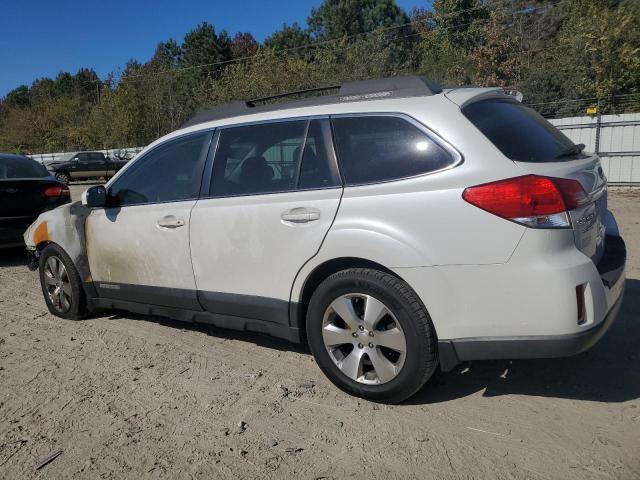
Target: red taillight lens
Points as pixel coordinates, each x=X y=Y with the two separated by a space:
x=531 y=200
x=572 y=192
x=57 y=191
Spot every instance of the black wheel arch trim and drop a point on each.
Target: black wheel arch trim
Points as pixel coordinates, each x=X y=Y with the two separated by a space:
x=297 y=311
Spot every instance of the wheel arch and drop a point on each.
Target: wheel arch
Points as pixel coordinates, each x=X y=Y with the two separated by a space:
x=322 y=271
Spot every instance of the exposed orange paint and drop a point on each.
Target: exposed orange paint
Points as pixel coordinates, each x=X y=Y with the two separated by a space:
x=41 y=234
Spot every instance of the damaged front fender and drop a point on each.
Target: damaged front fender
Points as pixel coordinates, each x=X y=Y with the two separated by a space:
x=64 y=226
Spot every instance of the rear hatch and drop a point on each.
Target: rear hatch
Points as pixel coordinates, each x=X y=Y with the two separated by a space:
x=539 y=148
x=587 y=221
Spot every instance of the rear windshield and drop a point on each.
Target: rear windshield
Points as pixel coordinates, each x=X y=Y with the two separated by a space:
x=519 y=132
x=21 y=167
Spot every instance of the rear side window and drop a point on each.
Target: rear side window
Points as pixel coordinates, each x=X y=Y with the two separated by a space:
x=382 y=148
x=272 y=157
x=21 y=167
x=519 y=132
x=170 y=172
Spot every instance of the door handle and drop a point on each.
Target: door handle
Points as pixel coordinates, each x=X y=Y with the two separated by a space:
x=301 y=215
x=171 y=221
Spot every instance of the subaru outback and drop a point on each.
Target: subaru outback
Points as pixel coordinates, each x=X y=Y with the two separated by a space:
x=396 y=227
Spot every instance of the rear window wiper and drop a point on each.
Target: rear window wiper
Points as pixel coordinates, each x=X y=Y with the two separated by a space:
x=571 y=151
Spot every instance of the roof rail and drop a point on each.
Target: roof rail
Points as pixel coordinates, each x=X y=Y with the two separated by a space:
x=392 y=87
x=264 y=100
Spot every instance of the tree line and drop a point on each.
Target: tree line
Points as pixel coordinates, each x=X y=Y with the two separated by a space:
x=549 y=50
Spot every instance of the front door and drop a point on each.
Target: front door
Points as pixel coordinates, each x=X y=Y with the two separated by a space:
x=274 y=193
x=138 y=247
x=78 y=166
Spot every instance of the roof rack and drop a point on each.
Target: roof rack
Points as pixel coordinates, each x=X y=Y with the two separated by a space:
x=392 y=87
x=264 y=100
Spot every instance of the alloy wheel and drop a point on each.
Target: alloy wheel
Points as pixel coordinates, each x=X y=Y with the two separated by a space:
x=58 y=285
x=364 y=339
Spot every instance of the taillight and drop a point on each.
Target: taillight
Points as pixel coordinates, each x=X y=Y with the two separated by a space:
x=531 y=200
x=57 y=191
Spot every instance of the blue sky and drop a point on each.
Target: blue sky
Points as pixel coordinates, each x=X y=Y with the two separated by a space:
x=40 y=38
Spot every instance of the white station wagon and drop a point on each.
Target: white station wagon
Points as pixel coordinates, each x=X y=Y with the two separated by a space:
x=394 y=226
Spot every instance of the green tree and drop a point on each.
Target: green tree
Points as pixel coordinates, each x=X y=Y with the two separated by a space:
x=338 y=18
x=18 y=97
x=290 y=37
x=358 y=19
x=203 y=46
x=168 y=54
x=594 y=52
x=243 y=45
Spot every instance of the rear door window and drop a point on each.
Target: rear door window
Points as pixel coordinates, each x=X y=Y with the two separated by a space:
x=273 y=157
x=96 y=157
x=381 y=148
x=519 y=132
x=318 y=167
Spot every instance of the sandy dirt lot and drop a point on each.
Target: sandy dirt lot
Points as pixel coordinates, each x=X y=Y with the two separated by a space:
x=124 y=396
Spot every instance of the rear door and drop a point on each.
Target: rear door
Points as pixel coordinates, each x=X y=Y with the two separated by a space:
x=538 y=147
x=273 y=195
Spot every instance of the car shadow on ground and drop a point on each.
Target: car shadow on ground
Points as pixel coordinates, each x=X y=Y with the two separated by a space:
x=259 y=339
x=609 y=372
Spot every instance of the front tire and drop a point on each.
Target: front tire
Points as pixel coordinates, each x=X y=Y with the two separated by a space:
x=371 y=335
x=61 y=284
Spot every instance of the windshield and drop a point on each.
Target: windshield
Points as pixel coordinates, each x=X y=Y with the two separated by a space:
x=21 y=167
x=519 y=132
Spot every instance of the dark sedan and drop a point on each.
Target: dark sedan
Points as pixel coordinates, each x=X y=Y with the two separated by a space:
x=26 y=190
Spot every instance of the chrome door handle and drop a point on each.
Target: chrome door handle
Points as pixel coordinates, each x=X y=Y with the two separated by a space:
x=301 y=215
x=171 y=221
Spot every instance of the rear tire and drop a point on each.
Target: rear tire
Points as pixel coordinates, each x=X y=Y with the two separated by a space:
x=61 y=284
x=385 y=348
x=63 y=177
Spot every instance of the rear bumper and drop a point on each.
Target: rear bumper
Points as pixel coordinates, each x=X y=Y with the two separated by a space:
x=611 y=270
x=453 y=352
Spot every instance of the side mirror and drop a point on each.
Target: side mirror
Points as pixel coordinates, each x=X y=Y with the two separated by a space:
x=95 y=196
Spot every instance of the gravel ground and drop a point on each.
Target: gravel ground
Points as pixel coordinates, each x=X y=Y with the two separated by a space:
x=125 y=396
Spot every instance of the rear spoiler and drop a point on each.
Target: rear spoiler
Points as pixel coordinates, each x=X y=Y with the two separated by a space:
x=517 y=94
x=463 y=96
